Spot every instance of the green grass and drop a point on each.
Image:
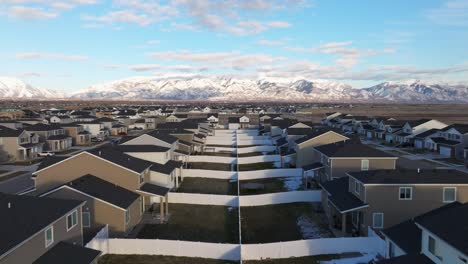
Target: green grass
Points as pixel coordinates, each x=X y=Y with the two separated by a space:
x=303 y=260
x=208 y=186
x=205 y=223
x=151 y=259
x=262 y=186
x=209 y=166
x=12 y=175
x=275 y=223
x=257 y=166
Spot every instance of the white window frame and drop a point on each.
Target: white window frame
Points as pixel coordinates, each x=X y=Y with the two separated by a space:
x=443 y=194
x=88 y=217
x=357 y=187
x=73 y=224
x=373 y=220
x=363 y=168
x=48 y=243
x=405 y=188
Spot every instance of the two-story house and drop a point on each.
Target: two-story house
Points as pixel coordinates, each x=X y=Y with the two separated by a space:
x=452 y=140
x=18 y=144
x=52 y=135
x=42 y=230
x=415 y=127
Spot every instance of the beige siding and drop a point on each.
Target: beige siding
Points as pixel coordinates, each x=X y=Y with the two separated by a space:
x=341 y=166
x=306 y=153
x=81 y=165
x=35 y=247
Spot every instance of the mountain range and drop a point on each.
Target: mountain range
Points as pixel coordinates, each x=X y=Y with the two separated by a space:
x=227 y=88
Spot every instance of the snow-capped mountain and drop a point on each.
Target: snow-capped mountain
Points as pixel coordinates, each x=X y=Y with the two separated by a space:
x=15 y=88
x=229 y=88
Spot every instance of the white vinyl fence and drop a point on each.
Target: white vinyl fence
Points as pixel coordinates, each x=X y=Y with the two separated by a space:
x=168 y=248
x=202 y=199
x=213 y=159
x=264 y=148
x=260 y=158
x=280 y=198
x=214 y=174
x=313 y=247
x=241 y=160
x=247 y=142
x=270 y=173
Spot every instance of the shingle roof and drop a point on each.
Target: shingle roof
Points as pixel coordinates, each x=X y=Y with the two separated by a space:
x=281 y=142
x=427 y=133
x=407 y=259
x=462 y=128
x=406 y=236
x=120 y=158
x=57 y=137
x=449 y=224
x=154 y=189
x=312 y=166
x=67 y=253
x=351 y=149
x=48 y=161
x=141 y=148
x=104 y=190
x=340 y=196
x=312 y=134
x=163 y=136
x=8 y=132
x=166 y=168
x=43 y=127
x=441 y=140
x=28 y=215
x=411 y=177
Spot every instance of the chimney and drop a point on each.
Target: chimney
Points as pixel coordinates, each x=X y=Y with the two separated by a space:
x=9 y=205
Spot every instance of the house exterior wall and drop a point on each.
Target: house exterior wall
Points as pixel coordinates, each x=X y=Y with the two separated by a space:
x=385 y=199
x=35 y=246
x=306 y=153
x=147 y=140
x=158 y=157
x=81 y=165
x=340 y=166
x=397 y=251
x=161 y=179
x=448 y=253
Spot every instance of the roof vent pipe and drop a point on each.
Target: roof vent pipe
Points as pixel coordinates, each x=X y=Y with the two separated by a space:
x=419 y=170
x=9 y=205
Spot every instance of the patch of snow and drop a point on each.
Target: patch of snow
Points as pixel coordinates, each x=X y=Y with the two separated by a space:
x=310 y=229
x=292 y=183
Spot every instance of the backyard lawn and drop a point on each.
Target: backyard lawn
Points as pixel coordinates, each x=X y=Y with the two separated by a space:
x=151 y=259
x=208 y=186
x=271 y=185
x=12 y=175
x=283 y=222
x=210 y=166
x=205 y=223
x=257 y=166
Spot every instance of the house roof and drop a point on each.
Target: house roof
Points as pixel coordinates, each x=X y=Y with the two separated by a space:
x=443 y=141
x=154 y=189
x=449 y=224
x=340 y=196
x=163 y=136
x=28 y=215
x=42 y=127
x=313 y=166
x=414 y=123
x=166 y=168
x=407 y=259
x=8 y=132
x=104 y=190
x=233 y=120
x=57 y=137
x=411 y=177
x=351 y=149
x=298 y=130
x=64 y=252
x=49 y=161
x=312 y=133
x=406 y=235
x=120 y=158
x=462 y=128
x=106 y=119
x=427 y=133
x=141 y=148
x=281 y=142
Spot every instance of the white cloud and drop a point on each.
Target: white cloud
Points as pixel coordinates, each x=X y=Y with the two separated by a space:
x=38 y=55
x=264 y=42
x=40 y=9
x=452 y=13
x=30 y=13
x=144 y=67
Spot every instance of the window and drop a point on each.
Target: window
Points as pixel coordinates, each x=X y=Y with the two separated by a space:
x=450 y=194
x=142 y=177
x=364 y=165
x=357 y=187
x=86 y=219
x=406 y=193
x=378 y=220
x=49 y=236
x=127 y=217
x=72 y=220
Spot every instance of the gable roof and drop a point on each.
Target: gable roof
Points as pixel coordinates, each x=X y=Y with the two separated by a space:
x=406 y=235
x=340 y=197
x=8 y=132
x=313 y=133
x=43 y=127
x=349 y=149
x=104 y=190
x=411 y=177
x=49 y=161
x=27 y=216
x=120 y=158
x=449 y=224
x=163 y=136
x=462 y=128
x=141 y=148
x=427 y=133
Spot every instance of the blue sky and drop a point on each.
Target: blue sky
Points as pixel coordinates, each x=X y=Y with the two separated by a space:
x=69 y=45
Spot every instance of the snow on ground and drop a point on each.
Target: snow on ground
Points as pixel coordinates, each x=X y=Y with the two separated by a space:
x=310 y=229
x=356 y=260
x=292 y=183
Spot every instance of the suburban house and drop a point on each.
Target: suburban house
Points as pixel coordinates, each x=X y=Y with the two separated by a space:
x=52 y=135
x=79 y=136
x=238 y=122
x=424 y=140
x=18 y=144
x=412 y=128
x=452 y=140
x=62 y=119
x=42 y=230
x=342 y=157
x=95 y=128
x=379 y=199
x=12 y=124
x=176 y=117
x=305 y=146
x=436 y=237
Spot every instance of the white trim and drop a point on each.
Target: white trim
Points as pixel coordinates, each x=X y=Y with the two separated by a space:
x=405 y=199
x=394 y=158
x=443 y=194
x=73 y=225
x=354 y=209
x=51 y=227
x=150 y=194
x=88 y=195
x=373 y=220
